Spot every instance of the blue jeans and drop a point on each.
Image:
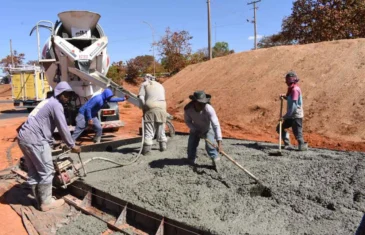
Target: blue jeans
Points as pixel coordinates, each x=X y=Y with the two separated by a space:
x=193 y=144
x=38 y=159
x=81 y=126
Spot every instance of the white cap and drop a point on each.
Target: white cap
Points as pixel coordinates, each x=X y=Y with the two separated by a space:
x=149 y=77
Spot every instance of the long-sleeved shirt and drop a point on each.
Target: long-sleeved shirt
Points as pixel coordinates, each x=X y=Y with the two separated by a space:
x=203 y=120
x=152 y=95
x=91 y=108
x=42 y=122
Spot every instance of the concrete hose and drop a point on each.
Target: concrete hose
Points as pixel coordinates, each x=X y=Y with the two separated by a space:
x=122 y=164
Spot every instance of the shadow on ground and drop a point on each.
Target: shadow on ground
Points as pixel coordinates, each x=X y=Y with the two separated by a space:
x=14 y=111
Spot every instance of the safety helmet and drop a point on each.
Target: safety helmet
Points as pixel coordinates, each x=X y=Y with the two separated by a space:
x=291 y=77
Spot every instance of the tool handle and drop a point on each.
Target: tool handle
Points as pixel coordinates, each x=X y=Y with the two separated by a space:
x=82 y=163
x=281 y=106
x=280 y=133
x=241 y=167
x=236 y=163
x=280 y=122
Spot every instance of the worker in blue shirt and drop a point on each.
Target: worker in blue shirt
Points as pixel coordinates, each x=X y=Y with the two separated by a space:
x=89 y=111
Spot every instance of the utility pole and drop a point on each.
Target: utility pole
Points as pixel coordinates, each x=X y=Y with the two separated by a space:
x=153 y=47
x=11 y=54
x=254 y=21
x=209 y=38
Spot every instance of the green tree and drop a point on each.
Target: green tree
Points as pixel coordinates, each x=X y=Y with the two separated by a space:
x=7 y=61
x=117 y=72
x=221 y=49
x=274 y=40
x=132 y=70
x=199 y=56
x=175 y=48
x=320 y=20
x=144 y=63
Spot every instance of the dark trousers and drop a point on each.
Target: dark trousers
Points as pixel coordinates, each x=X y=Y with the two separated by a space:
x=81 y=125
x=361 y=229
x=297 y=126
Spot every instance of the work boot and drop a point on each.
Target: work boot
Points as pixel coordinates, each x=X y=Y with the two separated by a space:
x=288 y=147
x=163 y=146
x=97 y=139
x=303 y=147
x=47 y=202
x=216 y=163
x=35 y=195
x=146 y=150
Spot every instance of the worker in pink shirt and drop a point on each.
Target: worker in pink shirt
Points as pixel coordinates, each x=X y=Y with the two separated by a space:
x=294 y=115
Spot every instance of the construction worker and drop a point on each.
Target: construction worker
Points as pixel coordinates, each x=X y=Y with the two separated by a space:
x=35 y=138
x=152 y=96
x=294 y=115
x=203 y=122
x=89 y=111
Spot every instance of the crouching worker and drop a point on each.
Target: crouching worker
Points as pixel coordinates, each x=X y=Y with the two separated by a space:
x=152 y=96
x=35 y=138
x=203 y=122
x=294 y=115
x=88 y=114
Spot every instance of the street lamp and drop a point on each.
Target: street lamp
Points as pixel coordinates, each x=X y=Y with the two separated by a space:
x=153 y=47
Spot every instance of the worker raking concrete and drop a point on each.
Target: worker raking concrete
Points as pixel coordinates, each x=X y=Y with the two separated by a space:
x=35 y=137
x=294 y=115
x=152 y=96
x=88 y=114
x=202 y=120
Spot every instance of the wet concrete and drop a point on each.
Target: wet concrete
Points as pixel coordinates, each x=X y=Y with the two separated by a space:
x=83 y=224
x=314 y=192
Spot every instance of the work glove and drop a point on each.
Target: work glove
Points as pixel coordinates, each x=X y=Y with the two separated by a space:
x=282 y=96
x=76 y=149
x=126 y=97
x=220 y=148
x=90 y=122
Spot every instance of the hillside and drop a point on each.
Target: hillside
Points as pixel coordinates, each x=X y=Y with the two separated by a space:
x=245 y=88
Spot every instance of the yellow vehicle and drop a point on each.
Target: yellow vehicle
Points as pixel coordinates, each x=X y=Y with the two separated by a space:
x=29 y=86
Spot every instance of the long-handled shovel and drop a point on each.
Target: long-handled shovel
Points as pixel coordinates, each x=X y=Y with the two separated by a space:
x=278 y=153
x=264 y=190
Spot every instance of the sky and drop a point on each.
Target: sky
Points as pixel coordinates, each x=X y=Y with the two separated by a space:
x=122 y=22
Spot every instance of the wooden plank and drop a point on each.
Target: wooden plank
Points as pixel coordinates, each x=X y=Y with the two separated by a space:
x=21 y=173
x=125 y=228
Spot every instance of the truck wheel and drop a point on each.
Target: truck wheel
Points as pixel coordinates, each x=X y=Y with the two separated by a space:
x=30 y=110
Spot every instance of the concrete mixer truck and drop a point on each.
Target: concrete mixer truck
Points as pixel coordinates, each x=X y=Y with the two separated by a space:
x=76 y=52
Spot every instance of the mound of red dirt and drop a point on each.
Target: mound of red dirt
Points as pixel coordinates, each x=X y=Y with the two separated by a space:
x=5 y=91
x=245 y=90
